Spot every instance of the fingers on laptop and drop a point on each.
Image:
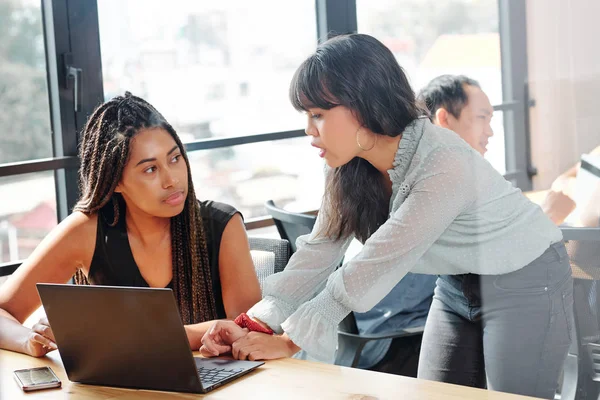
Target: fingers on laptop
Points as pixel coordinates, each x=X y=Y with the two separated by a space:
x=208 y=353
x=213 y=344
x=209 y=347
x=44 y=341
x=47 y=330
x=43 y=330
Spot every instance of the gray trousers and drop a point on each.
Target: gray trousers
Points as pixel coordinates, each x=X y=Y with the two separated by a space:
x=508 y=333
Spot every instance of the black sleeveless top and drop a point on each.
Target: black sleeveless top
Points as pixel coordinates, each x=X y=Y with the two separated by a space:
x=113 y=263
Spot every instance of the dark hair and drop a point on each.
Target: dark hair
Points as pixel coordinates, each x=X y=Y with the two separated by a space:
x=358 y=72
x=447 y=91
x=103 y=152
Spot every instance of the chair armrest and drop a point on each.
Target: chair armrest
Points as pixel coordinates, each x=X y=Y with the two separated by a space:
x=388 y=335
x=581 y=234
x=350 y=345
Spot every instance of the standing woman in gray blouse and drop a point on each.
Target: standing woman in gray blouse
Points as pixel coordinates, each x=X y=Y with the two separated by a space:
x=421 y=200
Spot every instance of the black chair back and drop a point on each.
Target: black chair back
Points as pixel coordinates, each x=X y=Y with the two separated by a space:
x=290 y=225
x=582 y=367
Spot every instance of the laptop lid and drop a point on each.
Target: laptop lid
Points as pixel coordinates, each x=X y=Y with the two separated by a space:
x=121 y=336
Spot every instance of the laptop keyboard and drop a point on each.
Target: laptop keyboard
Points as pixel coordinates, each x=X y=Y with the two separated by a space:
x=210 y=376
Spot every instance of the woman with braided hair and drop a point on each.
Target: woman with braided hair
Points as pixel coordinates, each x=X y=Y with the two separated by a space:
x=137 y=223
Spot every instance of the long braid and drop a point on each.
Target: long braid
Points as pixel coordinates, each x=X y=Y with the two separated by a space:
x=197 y=282
x=104 y=151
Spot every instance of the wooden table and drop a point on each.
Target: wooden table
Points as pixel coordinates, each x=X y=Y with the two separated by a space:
x=281 y=379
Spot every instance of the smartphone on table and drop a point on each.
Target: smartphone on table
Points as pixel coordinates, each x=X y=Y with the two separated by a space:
x=36 y=378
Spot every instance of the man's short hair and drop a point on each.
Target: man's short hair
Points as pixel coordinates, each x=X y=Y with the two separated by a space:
x=447 y=91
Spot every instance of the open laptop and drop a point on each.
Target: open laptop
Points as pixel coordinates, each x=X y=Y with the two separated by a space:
x=130 y=337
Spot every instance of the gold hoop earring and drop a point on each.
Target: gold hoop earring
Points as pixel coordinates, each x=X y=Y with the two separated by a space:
x=358 y=141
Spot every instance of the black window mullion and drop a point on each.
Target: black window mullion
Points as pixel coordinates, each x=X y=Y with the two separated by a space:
x=85 y=49
x=513 y=51
x=84 y=53
x=335 y=17
x=56 y=36
x=75 y=83
x=216 y=143
x=32 y=166
x=507 y=106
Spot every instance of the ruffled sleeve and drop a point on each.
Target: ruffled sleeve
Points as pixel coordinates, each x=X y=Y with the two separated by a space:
x=271 y=311
x=313 y=327
x=304 y=277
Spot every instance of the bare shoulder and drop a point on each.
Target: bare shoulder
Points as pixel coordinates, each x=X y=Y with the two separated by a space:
x=79 y=223
x=78 y=230
x=235 y=228
x=72 y=242
x=234 y=243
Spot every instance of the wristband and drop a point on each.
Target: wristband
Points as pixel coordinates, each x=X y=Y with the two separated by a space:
x=244 y=321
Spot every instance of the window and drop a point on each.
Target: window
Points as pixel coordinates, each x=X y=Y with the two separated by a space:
x=288 y=172
x=220 y=70
x=431 y=38
x=25 y=117
x=27 y=213
x=212 y=69
x=28 y=202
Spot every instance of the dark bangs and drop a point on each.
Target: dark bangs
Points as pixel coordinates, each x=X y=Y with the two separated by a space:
x=308 y=88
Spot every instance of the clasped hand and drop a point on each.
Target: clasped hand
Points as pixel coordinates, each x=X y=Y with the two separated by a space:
x=226 y=336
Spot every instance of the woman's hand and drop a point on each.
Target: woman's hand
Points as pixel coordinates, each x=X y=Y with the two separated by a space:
x=261 y=346
x=40 y=339
x=558 y=206
x=218 y=339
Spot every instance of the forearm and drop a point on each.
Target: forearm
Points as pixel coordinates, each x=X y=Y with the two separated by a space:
x=557 y=206
x=13 y=335
x=6 y=314
x=303 y=278
x=196 y=331
x=293 y=348
x=554 y=215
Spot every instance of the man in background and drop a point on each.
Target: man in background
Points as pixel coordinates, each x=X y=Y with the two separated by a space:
x=457 y=102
